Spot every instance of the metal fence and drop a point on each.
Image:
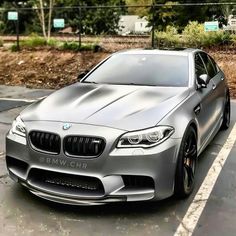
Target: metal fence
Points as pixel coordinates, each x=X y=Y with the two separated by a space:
x=133 y=23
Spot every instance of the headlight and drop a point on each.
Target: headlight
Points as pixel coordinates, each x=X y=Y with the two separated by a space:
x=146 y=138
x=18 y=127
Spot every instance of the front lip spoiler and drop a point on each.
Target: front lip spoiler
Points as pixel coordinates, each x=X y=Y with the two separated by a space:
x=117 y=196
x=69 y=201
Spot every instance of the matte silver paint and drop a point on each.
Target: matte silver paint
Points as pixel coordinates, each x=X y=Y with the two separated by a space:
x=109 y=111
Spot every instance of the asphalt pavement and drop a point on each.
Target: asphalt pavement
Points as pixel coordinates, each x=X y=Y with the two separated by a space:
x=21 y=213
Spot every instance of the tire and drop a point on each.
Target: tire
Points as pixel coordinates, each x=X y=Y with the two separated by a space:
x=226 y=115
x=186 y=165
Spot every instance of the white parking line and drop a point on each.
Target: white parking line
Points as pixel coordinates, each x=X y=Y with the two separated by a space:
x=18 y=99
x=196 y=208
x=22 y=100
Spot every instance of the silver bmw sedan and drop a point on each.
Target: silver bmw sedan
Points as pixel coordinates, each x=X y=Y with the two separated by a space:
x=131 y=130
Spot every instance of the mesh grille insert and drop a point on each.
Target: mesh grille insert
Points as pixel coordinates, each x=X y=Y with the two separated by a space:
x=66 y=183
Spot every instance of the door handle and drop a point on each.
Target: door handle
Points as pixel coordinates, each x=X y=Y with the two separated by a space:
x=197 y=109
x=214 y=86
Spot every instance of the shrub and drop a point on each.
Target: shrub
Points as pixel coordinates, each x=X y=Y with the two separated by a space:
x=168 y=38
x=74 y=46
x=195 y=35
x=34 y=41
x=53 y=43
x=2 y=26
x=233 y=39
x=14 y=48
x=1 y=43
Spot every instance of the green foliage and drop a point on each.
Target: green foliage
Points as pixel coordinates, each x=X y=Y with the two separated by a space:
x=140 y=11
x=1 y=43
x=14 y=48
x=9 y=27
x=74 y=46
x=193 y=35
x=102 y=21
x=53 y=43
x=169 y=37
x=93 y=21
x=37 y=41
x=165 y=15
x=2 y=26
x=34 y=41
x=233 y=39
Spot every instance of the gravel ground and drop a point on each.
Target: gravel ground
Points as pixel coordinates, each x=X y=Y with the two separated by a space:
x=47 y=68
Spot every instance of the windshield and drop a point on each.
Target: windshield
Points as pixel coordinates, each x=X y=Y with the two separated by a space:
x=136 y=69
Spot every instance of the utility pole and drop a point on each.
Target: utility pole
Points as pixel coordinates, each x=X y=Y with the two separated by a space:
x=17 y=32
x=14 y=16
x=80 y=26
x=153 y=24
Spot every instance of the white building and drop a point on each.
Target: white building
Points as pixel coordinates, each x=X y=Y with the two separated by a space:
x=133 y=24
x=231 y=26
x=232 y=20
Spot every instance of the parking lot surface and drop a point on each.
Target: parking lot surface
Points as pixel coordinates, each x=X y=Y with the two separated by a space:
x=21 y=213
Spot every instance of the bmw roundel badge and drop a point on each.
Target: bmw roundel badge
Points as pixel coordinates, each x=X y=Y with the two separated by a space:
x=66 y=126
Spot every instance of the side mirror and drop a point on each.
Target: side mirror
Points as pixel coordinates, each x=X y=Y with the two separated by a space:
x=82 y=74
x=203 y=80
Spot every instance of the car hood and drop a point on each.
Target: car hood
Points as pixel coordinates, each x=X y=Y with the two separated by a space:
x=126 y=107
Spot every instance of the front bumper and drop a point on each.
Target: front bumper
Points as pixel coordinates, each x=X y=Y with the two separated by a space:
x=111 y=169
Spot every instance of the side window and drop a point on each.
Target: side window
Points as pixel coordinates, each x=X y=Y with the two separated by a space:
x=210 y=69
x=216 y=68
x=199 y=66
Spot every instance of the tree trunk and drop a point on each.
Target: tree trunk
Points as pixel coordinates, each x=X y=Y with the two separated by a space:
x=42 y=19
x=51 y=4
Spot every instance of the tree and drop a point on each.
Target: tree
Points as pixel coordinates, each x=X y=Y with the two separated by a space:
x=95 y=20
x=140 y=11
x=45 y=18
x=25 y=17
x=162 y=16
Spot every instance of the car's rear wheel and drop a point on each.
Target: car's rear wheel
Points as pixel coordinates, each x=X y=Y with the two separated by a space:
x=226 y=114
x=186 y=165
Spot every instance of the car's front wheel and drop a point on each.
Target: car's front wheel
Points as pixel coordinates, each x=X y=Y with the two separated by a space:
x=186 y=165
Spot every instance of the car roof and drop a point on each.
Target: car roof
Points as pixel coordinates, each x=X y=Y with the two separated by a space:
x=165 y=51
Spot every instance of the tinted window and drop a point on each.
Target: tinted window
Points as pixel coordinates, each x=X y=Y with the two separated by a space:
x=199 y=66
x=216 y=68
x=209 y=66
x=137 y=69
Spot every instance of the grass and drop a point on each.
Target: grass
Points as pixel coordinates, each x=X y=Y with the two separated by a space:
x=74 y=46
x=36 y=41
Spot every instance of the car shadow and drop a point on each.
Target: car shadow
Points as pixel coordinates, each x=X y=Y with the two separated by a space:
x=127 y=208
